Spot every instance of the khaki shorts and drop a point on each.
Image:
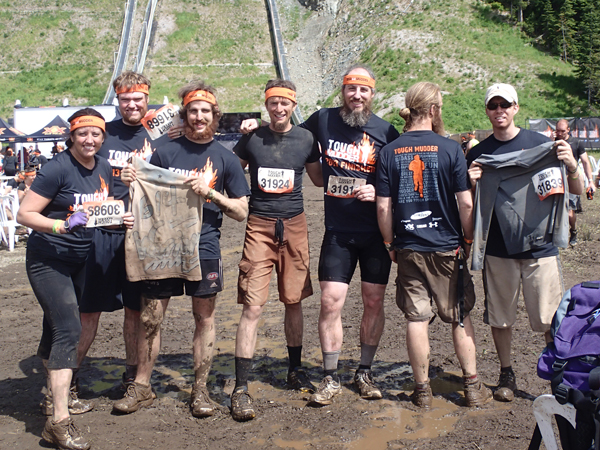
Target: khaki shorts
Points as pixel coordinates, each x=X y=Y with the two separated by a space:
x=542 y=290
x=424 y=277
x=262 y=251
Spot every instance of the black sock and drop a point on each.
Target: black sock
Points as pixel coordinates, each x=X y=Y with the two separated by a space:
x=364 y=368
x=242 y=370
x=295 y=356
x=333 y=374
x=506 y=369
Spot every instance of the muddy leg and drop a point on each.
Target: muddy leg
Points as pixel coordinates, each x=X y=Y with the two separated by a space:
x=417 y=342
x=151 y=318
x=204 y=336
x=130 y=335
x=89 y=328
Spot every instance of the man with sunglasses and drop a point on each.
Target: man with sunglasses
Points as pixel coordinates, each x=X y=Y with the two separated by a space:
x=537 y=269
x=562 y=131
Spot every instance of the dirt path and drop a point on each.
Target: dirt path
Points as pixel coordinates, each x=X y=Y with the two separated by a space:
x=283 y=422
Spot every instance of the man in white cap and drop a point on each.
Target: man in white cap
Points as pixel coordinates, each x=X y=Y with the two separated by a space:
x=537 y=269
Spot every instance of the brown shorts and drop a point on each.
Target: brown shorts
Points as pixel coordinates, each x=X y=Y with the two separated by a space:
x=542 y=290
x=424 y=277
x=263 y=250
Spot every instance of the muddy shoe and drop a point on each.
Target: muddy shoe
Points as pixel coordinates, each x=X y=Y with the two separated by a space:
x=299 y=381
x=136 y=397
x=507 y=385
x=200 y=402
x=76 y=405
x=363 y=379
x=477 y=393
x=422 y=395
x=241 y=405
x=64 y=435
x=328 y=389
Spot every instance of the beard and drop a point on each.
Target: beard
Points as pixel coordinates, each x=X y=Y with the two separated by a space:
x=201 y=135
x=437 y=124
x=354 y=118
x=281 y=126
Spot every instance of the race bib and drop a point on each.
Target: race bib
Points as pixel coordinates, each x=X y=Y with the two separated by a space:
x=106 y=213
x=276 y=181
x=548 y=182
x=159 y=122
x=343 y=187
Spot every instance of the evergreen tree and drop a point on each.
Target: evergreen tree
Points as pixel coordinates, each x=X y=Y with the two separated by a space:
x=588 y=49
x=566 y=22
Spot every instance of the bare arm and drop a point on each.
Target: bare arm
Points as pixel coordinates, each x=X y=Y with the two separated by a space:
x=315 y=173
x=384 y=219
x=236 y=208
x=587 y=169
x=30 y=214
x=565 y=154
x=465 y=211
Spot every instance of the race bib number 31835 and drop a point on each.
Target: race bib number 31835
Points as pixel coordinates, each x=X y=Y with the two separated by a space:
x=276 y=181
x=343 y=187
x=548 y=182
x=103 y=214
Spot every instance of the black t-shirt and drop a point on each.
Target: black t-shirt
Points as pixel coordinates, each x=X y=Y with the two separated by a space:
x=421 y=171
x=121 y=141
x=13 y=183
x=576 y=146
x=524 y=140
x=9 y=165
x=221 y=170
x=276 y=163
x=353 y=153
x=68 y=184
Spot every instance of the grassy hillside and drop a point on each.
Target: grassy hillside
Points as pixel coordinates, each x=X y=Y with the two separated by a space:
x=55 y=48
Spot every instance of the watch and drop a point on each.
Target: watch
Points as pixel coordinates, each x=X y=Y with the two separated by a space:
x=388 y=246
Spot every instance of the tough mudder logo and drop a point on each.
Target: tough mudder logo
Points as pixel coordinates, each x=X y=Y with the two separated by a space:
x=357 y=156
x=98 y=196
x=208 y=172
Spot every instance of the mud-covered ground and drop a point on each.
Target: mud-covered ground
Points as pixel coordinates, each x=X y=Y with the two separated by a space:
x=283 y=420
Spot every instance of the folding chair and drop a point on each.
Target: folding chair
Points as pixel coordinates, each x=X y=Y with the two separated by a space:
x=544 y=408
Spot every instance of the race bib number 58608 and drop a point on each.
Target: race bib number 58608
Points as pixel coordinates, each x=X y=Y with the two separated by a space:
x=102 y=214
x=548 y=182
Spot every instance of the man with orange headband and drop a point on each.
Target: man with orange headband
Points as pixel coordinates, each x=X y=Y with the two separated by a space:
x=107 y=288
x=212 y=171
x=28 y=176
x=350 y=137
x=276 y=235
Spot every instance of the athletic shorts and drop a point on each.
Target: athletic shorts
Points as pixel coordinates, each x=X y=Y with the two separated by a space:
x=106 y=286
x=263 y=249
x=341 y=251
x=574 y=202
x=426 y=277
x=209 y=286
x=542 y=290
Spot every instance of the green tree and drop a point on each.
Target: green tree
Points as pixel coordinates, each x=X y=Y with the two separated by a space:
x=566 y=23
x=588 y=49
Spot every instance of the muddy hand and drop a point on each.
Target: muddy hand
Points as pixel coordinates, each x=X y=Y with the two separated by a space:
x=128 y=220
x=176 y=132
x=365 y=193
x=128 y=175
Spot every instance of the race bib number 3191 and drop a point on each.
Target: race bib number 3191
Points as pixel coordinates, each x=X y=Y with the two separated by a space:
x=343 y=187
x=103 y=214
x=159 y=122
x=276 y=181
x=548 y=182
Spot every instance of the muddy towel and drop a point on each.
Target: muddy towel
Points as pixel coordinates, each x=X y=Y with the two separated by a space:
x=168 y=219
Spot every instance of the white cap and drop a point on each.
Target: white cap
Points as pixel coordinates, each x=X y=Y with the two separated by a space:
x=506 y=91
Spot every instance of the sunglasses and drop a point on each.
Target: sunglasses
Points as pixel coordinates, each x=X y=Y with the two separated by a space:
x=494 y=106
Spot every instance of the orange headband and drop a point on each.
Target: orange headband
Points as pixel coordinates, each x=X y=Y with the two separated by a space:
x=280 y=92
x=143 y=88
x=204 y=96
x=88 y=121
x=363 y=80
x=30 y=173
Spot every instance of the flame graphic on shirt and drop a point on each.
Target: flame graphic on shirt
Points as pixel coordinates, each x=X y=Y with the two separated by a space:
x=366 y=151
x=103 y=188
x=209 y=174
x=145 y=151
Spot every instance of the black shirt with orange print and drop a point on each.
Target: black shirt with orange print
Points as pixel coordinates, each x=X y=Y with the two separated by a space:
x=68 y=184
x=221 y=170
x=348 y=152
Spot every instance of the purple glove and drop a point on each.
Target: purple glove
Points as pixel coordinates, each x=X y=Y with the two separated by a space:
x=75 y=220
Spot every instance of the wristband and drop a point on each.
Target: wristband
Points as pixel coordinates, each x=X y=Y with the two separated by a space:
x=572 y=177
x=468 y=241
x=56 y=226
x=259 y=122
x=572 y=171
x=388 y=246
x=211 y=194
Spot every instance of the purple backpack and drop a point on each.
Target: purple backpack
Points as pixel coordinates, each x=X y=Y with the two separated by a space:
x=575 y=350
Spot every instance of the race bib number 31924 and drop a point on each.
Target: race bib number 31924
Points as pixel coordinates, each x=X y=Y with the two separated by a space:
x=103 y=214
x=276 y=181
x=548 y=182
x=343 y=187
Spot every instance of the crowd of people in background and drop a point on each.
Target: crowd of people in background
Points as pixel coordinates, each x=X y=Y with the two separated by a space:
x=409 y=199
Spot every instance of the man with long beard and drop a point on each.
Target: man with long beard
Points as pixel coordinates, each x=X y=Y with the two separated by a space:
x=212 y=171
x=430 y=228
x=351 y=137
